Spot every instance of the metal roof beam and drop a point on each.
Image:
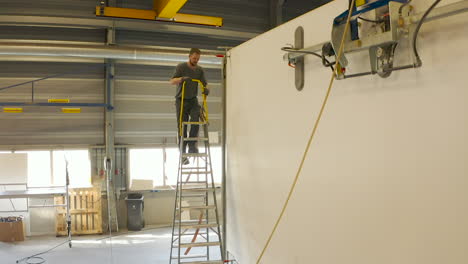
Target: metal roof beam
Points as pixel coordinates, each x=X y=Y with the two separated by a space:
x=135 y=25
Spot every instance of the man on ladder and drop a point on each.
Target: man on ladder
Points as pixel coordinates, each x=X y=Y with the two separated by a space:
x=195 y=191
x=185 y=72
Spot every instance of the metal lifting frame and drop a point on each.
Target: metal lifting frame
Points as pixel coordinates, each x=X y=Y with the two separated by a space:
x=403 y=25
x=33 y=103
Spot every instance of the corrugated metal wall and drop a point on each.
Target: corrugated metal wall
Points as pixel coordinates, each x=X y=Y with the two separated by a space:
x=48 y=125
x=144 y=103
x=295 y=8
x=144 y=100
x=145 y=110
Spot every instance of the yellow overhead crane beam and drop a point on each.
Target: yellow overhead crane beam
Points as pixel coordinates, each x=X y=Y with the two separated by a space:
x=163 y=10
x=168 y=8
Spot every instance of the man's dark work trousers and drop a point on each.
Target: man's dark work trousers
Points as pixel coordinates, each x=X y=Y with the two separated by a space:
x=192 y=110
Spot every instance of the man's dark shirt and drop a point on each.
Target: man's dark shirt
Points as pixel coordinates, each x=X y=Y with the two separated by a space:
x=191 y=88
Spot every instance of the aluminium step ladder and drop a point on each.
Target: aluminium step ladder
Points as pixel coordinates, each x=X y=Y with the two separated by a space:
x=196 y=231
x=196 y=225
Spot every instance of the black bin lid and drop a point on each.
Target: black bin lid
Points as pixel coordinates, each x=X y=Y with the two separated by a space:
x=134 y=196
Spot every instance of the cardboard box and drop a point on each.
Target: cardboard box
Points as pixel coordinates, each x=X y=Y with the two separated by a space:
x=11 y=231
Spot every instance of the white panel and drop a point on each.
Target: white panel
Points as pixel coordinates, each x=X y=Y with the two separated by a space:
x=14 y=168
x=386 y=177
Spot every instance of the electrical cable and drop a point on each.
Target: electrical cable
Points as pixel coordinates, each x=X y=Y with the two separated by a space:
x=329 y=64
x=317 y=122
x=36 y=256
x=416 y=32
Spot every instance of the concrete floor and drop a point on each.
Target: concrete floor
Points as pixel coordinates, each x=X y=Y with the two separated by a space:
x=146 y=246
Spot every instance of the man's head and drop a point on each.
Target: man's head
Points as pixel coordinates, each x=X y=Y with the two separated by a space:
x=194 y=56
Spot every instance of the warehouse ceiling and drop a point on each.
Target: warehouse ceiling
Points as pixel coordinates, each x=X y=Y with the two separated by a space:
x=144 y=107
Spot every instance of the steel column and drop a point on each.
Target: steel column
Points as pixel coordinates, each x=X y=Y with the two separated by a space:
x=110 y=133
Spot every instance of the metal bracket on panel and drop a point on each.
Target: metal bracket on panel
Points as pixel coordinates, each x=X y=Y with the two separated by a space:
x=374 y=26
x=299 y=62
x=381 y=59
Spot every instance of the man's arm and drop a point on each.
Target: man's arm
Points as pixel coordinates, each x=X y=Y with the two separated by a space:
x=202 y=78
x=176 y=80
x=177 y=77
x=205 y=83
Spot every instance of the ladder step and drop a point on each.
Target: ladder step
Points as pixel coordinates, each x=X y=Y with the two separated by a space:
x=195 y=123
x=194 y=195
x=197 y=189
x=192 y=221
x=188 y=155
x=198 y=207
x=204 y=262
x=194 y=182
x=197 y=226
x=191 y=234
x=196 y=172
x=199 y=244
x=196 y=139
x=189 y=257
x=193 y=168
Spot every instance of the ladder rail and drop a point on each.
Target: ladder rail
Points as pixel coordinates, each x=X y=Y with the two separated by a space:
x=179 y=176
x=179 y=172
x=207 y=199
x=207 y=146
x=179 y=184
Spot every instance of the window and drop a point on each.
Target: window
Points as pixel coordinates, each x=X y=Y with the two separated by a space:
x=172 y=165
x=79 y=168
x=39 y=169
x=148 y=165
x=146 y=168
x=47 y=168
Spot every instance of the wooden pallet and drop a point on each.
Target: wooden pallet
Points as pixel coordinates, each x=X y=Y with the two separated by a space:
x=85 y=211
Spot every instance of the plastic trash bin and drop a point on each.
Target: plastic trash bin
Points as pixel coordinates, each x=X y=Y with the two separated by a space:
x=135 y=207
